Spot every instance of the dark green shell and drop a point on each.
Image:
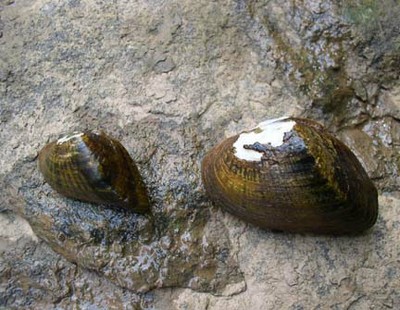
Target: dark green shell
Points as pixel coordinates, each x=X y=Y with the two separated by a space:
x=93 y=167
x=310 y=183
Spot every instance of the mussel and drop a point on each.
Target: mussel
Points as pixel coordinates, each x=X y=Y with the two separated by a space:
x=93 y=167
x=290 y=174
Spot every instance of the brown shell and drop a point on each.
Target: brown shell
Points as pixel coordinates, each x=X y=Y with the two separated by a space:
x=93 y=167
x=311 y=183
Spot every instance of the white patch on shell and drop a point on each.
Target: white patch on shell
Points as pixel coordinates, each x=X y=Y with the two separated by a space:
x=270 y=132
x=68 y=137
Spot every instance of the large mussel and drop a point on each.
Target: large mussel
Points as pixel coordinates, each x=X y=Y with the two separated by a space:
x=291 y=174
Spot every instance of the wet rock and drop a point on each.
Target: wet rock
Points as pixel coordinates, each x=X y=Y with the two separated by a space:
x=170 y=80
x=285 y=271
x=316 y=47
x=33 y=275
x=170 y=247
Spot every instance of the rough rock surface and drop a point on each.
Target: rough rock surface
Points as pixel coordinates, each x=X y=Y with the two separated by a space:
x=170 y=79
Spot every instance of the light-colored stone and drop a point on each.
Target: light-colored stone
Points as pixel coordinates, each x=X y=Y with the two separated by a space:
x=14 y=230
x=170 y=79
x=287 y=271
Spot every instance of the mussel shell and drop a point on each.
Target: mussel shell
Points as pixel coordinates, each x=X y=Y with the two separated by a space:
x=93 y=167
x=310 y=183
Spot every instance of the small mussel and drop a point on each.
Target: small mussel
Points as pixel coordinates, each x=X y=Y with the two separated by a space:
x=92 y=167
x=291 y=174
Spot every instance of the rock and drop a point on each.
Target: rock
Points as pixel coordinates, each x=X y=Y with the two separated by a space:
x=170 y=80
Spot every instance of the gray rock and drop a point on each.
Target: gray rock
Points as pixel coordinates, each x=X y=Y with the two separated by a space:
x=170 y=79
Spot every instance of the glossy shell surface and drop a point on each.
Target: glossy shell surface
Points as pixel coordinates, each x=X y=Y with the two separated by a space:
x=93 y=167
x=290 y=174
